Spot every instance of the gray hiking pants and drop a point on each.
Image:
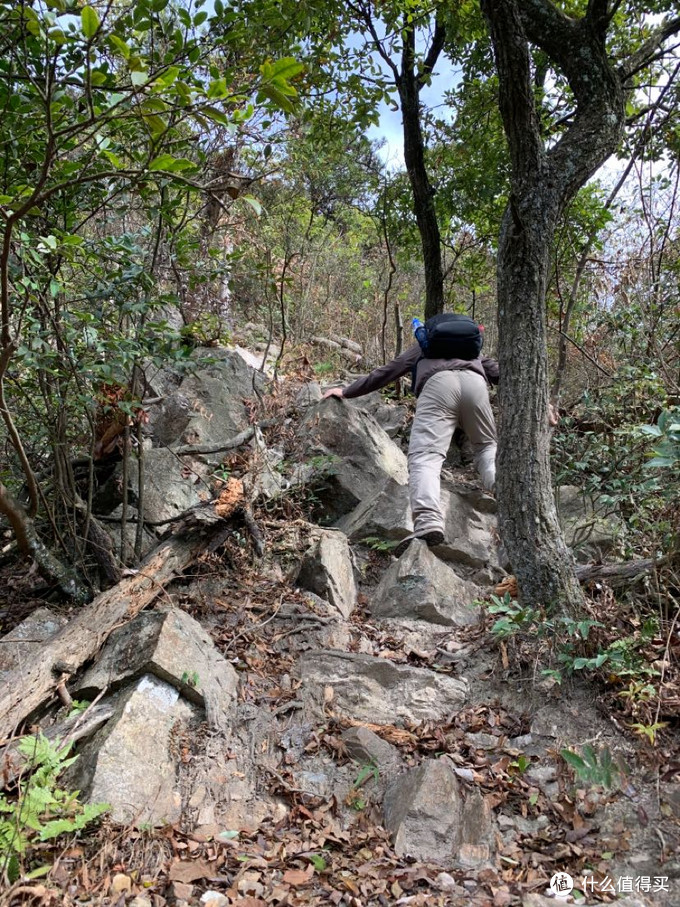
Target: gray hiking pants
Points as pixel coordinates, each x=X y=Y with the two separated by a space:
x=449 y=399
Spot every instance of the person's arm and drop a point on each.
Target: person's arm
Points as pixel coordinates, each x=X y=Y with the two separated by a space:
x=379 y=377
x=490 y=367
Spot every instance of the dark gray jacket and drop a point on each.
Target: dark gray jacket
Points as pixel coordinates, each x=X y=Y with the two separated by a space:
x=404 y=363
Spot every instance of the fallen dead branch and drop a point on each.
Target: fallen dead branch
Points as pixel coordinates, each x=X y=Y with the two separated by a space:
x=352 y=355
x=26 y=688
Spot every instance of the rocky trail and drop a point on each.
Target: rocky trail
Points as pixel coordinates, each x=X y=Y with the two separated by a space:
x=281 y=712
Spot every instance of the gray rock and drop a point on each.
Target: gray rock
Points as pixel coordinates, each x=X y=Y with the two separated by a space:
x=172 y=646
x=469 y=527
x=591 y=530
x=208 y=407
x=308 y=395
x=377 y=690
x=391 y=417
x=315 y=625
x=365 y=747
x=431 y=818
x=167 y=492
x=128 y=763
x=359 y=457
x=20 y=645
x=469 y=531
x=149 y=541
x=327 y=570
x=421 y=586
x=384 y=514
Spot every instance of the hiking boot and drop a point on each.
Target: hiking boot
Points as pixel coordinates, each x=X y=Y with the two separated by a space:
x=432 y=538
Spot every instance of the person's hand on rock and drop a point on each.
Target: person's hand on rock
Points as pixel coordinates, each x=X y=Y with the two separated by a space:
x=332 y=392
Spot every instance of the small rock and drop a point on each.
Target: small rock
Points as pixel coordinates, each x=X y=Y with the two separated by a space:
x=120 y=883
x=422 y=587
x=214 y=899
x=140 y=901
x=470 y=884
x=328 y=571
x=431 y=818
x=249 y=884
x=180 y=891
x=542 y=775
x=483 y=741
x=366 y=747
x=446 y=882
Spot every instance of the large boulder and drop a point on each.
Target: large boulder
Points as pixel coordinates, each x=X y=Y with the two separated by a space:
x=470 y=522
x=356 y=456
x=129 y=763
x=173 y=647
x=169 y=489
x=378 y=691
x=591 y=530
x=209 y=404
x=431 y=818
x=421 y=586
x=391 y=417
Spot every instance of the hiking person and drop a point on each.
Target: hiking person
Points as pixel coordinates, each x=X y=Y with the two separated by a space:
x=450 y=381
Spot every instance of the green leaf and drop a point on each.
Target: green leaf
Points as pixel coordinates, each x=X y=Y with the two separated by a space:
x=317 y=862
x=254 y=204
x=40 y=872
x=200 y=18
x=217 y=116
x=117 y=44
x=169 y=76
x=97 y=77
x=228 y=835
x=572 y=759
x=113 y=159
x=660 y=461
x=286 y=68
x=139 y=78
x=171 y=164
x=275 y=95
x=89 y=21
x=155 y=123
x=217 y=89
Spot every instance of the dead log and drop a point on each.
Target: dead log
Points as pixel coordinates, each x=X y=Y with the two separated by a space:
x=336 y=347
x=618 y=574
x=26 y=688
x=347 y=343
x=612 y=574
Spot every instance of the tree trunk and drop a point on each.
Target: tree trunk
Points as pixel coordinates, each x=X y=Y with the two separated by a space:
x=409 y=84
x=527 y=516
x=543 y=182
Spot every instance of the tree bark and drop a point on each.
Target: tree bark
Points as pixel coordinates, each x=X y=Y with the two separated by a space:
x=26 y=688
x=409 y=83
x=542 y=183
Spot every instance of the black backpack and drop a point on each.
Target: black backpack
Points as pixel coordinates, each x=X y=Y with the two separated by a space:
x=452 y=337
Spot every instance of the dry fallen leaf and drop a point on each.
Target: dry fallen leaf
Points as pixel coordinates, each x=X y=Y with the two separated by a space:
x=299 y=876
x=188 y=872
